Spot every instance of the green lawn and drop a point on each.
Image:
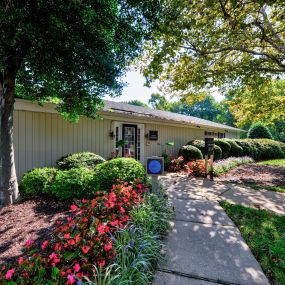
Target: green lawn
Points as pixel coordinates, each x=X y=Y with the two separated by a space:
x=274 y=162
x=274 y=188
x=264 y=232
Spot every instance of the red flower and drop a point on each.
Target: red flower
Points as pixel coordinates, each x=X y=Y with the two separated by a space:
x=114 y=223
x=85 y=249
x=44 y=244
x=76 y=268
x=77 y=238
x=122 y=210
x=102 y=263
x=102 y=229
x=29 y=243
x=66 y=236
x=108 y=246
x=20 y=260
x=73 y=207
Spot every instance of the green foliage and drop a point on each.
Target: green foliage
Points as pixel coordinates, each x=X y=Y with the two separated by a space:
x=124 y=169
x=263 y=103
x=236 y=150
x=73 y=183
x=259 y=131
x=264 y=232
x=225 y=147
x=190 y=152
x=37 y=182
x=262 y=148
x=81 y=159
x=76 y=52
x=159 y=102
x=201 y=146
x=274 y=162
x=203 y=44
x=136 y=103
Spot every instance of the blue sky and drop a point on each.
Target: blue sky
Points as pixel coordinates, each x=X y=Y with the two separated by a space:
x=135 y=89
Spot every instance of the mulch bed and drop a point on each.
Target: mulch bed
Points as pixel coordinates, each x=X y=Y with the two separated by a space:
x=32 y=219
x=260 y=174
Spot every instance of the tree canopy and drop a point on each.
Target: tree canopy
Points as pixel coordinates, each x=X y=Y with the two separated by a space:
x=136 y=103
x=208 y=109
x=209 y=43
x=75 y=51
x=265 y=103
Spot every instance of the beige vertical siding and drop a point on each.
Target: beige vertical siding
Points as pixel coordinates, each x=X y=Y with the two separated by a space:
x=179 y=135
x=41 y=138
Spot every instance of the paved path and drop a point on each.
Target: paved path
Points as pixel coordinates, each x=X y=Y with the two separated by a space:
x=204 y=247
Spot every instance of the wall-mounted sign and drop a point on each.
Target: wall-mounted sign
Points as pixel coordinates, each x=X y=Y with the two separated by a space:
x=155 y=165
x=153 y=135
x=209 y=146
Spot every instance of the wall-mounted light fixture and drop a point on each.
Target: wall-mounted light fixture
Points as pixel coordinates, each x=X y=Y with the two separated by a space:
x=111 y=134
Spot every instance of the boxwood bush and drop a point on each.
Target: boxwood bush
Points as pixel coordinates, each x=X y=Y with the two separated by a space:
x=37 y=182
x=225 y=147
x=72 y=183
x=80 y=159
x=125 y=169
x=236 y=150
x=259 y=131
x=201 y=146
x=190 y=152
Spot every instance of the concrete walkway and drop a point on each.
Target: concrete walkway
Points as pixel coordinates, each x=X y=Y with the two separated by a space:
x=204 y=247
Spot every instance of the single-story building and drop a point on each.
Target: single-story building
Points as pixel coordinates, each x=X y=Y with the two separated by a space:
x=42 y=135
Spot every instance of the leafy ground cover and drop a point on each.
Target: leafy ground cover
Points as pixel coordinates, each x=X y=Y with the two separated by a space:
x=114 y=236
x=277 y=162
x=264 y=232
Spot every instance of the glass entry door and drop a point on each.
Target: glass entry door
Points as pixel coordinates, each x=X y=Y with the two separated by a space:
x=130 y=138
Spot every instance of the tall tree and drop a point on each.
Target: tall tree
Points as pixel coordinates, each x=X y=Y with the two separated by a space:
x=159 y=102
x=264 y=104
x=219 y=43
x=72 y=50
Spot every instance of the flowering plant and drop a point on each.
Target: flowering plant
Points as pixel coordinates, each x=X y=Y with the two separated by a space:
x=197 y=168
x=176 y=164
x=78 y=242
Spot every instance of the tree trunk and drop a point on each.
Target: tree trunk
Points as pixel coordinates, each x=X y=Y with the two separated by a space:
x=8 y=178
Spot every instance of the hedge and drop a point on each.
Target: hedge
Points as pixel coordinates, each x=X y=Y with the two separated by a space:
x=80 y=159
x=37 y=182
x=225 y=147
x=235 y=149
x=201 y=145
x=124 y=169
x=190 y=152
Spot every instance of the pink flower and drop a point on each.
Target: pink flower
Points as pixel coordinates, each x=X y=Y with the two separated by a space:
x=77 y=238
x=44 y=244
x=108 y=246
x=29 y=243
x=85 y=249
x=102 y=229
x=10 y=273
x=122 y=210
x=53 y=256
x=20 y=260
x=70 y=279
x=76 y=268
x=102 y=263
x=66 y=236
x=73 y=207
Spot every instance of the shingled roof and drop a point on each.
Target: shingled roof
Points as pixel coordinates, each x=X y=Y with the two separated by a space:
x=137 y=111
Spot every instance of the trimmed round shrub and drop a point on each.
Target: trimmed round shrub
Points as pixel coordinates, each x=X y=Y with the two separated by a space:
x=201 y=146
x=259 y=131
x=236 y=150
x=124 y=169
x=80 y=159
x=190 y=152
x=225 y=147
x=37 y=182
x=72 y=183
